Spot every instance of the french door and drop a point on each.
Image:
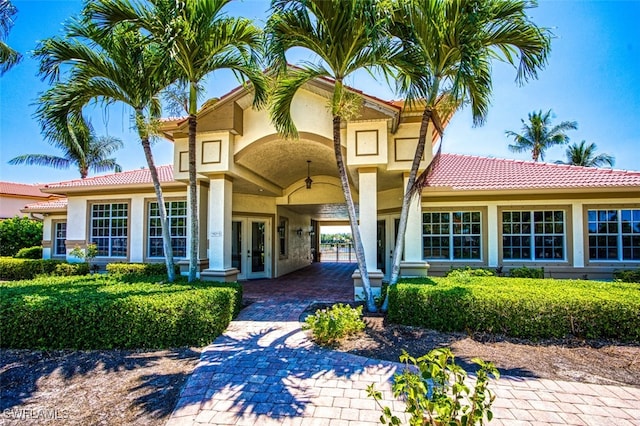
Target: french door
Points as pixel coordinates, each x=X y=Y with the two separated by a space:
x=251 y=247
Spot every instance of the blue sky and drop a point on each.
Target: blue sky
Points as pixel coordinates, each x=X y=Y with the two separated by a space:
x=592 y=78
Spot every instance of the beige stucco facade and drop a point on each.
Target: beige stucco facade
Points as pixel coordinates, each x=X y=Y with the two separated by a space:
x=258 y=219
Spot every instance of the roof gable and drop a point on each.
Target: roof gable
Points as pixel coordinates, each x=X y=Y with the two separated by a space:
x=22 y=190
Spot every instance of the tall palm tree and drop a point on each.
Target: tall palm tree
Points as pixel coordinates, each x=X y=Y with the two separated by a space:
x=538 y=135
x=198 y=39
x=115 y=65
x=8 y=56
x=585 y=155
x=346 y=36
x=445 y=64
x=80 y=147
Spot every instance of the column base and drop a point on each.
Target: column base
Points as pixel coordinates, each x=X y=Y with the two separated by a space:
x=414 y=269
x=375 y=279
x=184 y=265
x=220 y=275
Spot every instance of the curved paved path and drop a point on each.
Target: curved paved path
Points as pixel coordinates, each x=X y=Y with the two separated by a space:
x=264 y=371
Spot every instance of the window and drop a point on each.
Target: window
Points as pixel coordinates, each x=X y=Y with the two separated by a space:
x=614 y=234
x=60 y=239
x=109 y=228
x=177 y=216
x=533 y=235
x=451 y=235
x=283 y=231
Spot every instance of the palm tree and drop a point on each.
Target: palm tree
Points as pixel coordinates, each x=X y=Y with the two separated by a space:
x=198 y=39
x=346 y=36
x=538 y=135
x=445 y=64
x=585 y=155
x=116 y=65
x=80 y=147
x=8 y=56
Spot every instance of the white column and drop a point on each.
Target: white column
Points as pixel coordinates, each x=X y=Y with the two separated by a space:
x=369 y=214
x=138 y=233
x=492 y=235
x=413 y=236
x=220 y=211
x=578 y=235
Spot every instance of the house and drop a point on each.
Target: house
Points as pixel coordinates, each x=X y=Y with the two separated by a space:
x=14 y=196
x=262 y=199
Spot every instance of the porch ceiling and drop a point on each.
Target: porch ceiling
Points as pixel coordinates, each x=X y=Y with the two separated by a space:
x=284 y=162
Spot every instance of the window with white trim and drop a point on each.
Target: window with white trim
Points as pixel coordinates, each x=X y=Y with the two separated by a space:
x=452 y=235
x=60 y=239
x=533 y=235
x=177 y=216
x=109 y=228
x=614 y=234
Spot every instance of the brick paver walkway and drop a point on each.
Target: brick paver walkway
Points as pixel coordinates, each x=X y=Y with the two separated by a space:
x=265 y=371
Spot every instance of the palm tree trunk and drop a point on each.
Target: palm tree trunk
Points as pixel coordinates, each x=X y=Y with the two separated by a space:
x=406 y=202
x=164 y=221
x=353 y=220
x=193 y=188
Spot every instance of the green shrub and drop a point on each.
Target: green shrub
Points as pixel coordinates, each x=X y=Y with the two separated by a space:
x=627 y=276
x=469 y=272
x=139 y=269
x=525 y=272
x=329 y=325
x=26 y=269
x=70 y=269
x=435 y=391
x=102 y=312
x=29 y=253
x=17 y=233
x=519 y=307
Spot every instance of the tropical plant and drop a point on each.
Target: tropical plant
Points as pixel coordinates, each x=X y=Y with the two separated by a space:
x=332 y=324
x=585 y=155
x=80 y=146
x=8 y=56
x=197 y=39
x=445 y=64
x=118 y=64
x=538 y=135
x=436 y=391
x=345 y=36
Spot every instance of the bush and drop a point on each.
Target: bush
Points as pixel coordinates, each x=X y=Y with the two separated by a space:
x=29 y=253
x=518 y=307
x=469 y=272
x=70 y=269
x=139 y=269
x=17 y=233
x=103 y=312
x=627 y=276
x=525 y=272
x=26 y=269
x=330 y=325
x=434 y=389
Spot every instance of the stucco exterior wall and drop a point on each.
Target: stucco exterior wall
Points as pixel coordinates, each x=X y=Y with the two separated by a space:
x=10 y=206
x=298 y=250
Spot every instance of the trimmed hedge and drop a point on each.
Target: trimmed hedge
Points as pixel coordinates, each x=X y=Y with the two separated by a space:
x=103 y=312
x=139 y=269
x=26 y=269
x=627 y=276
x=29 y=253
x=520 y=307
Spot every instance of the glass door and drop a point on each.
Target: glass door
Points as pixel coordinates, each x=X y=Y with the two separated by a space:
x=250 y=247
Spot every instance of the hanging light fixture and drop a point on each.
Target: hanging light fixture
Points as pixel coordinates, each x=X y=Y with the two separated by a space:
x=308 y=180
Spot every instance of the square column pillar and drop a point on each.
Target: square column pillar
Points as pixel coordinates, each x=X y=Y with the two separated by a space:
x=220 y=211
x=492 y=235
x=577 y=220
x=413 y=264
x=368 y=218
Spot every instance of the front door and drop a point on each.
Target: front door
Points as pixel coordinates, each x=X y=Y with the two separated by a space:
x=251 y=247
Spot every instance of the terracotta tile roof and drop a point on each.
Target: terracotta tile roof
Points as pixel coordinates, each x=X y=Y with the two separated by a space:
x=46 y=206
x=131 y=177
x=22 y=189
x=465 y=172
